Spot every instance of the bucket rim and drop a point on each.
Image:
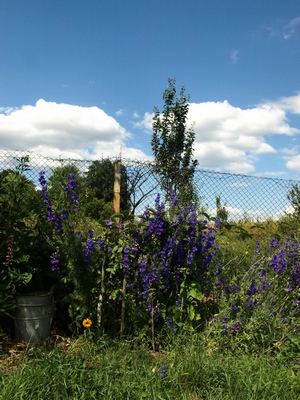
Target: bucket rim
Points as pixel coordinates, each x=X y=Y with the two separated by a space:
x=34 y=294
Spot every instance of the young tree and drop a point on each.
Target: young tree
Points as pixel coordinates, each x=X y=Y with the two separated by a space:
x=222 y=212
x=173 y=145
x=294 y=197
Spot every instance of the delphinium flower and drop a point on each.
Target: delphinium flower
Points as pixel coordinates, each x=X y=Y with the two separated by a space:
x=274 y=243
x=257 y=248
x=233 y=308
x=292 y=249
x=101 y=243
x=174 y=200
x=70 y=191
x=218 y=273
x=231 y=288
x=252 y=288
x=154 y=227
x=264 y=285
x=56 y=217
x=45 y=195
x=289 y=287
x=54 y=261
x=71 y=184
x=236 y=327
x=87 y=250
x=108 y=223
x=170 y=324
x=223 y=321
x=278 y=262
x=129 y=252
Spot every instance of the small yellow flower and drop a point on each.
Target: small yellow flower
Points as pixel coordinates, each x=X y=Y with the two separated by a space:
x=87 y=323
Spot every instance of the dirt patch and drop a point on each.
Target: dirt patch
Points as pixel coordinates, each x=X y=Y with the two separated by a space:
x=13 y=353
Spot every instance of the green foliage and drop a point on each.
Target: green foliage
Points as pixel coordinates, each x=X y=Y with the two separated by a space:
x=172 y=145
x=21 y=229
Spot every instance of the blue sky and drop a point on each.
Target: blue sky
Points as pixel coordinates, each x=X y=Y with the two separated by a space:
x=80 y=78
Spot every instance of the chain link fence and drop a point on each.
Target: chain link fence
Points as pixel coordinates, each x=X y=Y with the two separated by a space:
x=244 y=197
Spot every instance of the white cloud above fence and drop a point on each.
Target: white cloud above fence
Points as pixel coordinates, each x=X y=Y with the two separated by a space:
x=228 y=138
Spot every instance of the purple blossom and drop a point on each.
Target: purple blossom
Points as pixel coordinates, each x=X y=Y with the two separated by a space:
x=250 y=302
x=101 y=243
x=174 y=200
x=54 y=261
x=252 y=289
x=263 y=286
x=236 y=327
x=90 y=246
x=278 y=263
x=233 y=308
x=64 y=214
x=75 y=198
x=71 y=184
x=289 y=288
x=108 y=223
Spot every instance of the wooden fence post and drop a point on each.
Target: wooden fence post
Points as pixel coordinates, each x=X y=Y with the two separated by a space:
x=117 y=187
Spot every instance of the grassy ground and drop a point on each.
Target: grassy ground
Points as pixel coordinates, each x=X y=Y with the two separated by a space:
x=184 y=369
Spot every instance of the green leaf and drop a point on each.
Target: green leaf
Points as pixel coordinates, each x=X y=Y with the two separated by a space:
x=194 y=290
x=257 y=226
x=194 y=315
x=223 y=236
x=130 y=225
x=117 y=215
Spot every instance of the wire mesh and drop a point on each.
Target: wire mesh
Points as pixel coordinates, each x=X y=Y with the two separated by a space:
x=245 y=197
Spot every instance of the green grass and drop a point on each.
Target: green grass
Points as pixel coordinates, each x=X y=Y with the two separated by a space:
x=120 y=370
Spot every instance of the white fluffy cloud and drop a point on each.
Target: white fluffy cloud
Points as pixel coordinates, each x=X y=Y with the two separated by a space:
x=294 y=163
x=64 y=130
x=227 y=138
x=230 y=138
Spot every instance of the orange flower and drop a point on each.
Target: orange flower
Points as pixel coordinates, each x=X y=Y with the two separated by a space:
x=87 y=323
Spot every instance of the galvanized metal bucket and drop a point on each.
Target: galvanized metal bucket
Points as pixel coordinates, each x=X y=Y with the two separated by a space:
x=34 y=316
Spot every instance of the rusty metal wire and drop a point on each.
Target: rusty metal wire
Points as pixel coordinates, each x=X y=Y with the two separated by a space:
x=245 y=197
